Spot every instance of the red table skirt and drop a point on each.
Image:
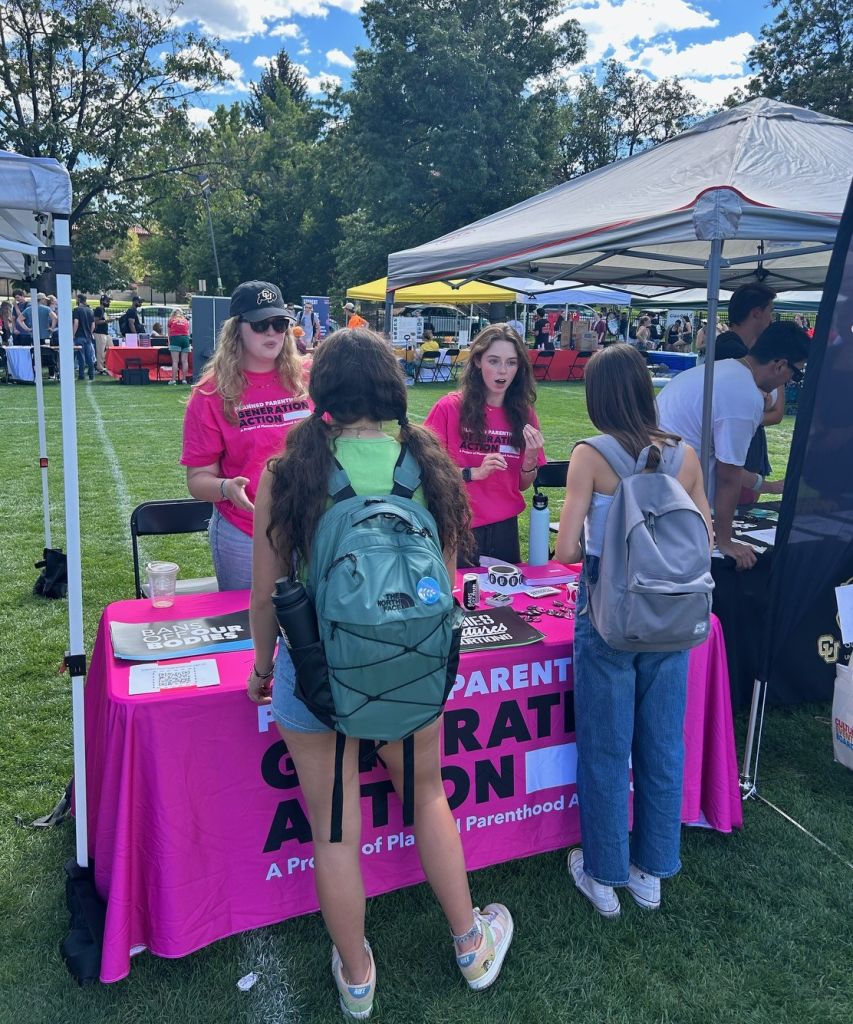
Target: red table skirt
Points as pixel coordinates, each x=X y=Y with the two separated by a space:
x=116 y=361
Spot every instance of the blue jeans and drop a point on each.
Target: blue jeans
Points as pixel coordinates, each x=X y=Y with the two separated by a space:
x=85 y=356
x=627 y=705
x=232 y=553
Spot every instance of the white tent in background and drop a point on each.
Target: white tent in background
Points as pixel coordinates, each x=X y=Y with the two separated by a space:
x=531 y=291
x=35 y=204
x=752 y=194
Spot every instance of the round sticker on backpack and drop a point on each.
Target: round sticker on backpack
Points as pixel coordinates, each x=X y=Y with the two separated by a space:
x=428 y=590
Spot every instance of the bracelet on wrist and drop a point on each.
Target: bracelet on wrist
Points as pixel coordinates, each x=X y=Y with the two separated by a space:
x=222 y=484
x=263 y=675
x=532 y=469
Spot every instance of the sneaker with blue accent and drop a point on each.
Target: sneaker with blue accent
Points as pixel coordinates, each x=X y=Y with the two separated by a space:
x=356 y=1000
x=480 y=967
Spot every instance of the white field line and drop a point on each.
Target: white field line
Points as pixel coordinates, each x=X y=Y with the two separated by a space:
x=125 y=503
x=272 y=999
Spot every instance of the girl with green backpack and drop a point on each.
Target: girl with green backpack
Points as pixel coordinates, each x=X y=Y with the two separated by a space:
x=357 y=388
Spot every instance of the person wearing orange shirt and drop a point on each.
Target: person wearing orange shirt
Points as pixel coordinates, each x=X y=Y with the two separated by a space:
x=354 y=320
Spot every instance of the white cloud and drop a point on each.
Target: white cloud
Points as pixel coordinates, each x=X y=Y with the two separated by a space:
x=318 y=84
x=234 y=73
x=698 y=60
x=262 y=62
x=615 y=29
x=640 y=35
x=198 y=116
x=340 y=58
x=289 y=30
x=243 y=19
x=304 y=50
x=715 y=90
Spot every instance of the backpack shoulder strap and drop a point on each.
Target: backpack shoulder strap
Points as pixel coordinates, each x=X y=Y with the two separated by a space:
x=340 y=487
x=615 y=455
x=671 y=459
x=407 y=474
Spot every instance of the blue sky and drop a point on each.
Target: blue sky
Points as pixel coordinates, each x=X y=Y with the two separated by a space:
x=704 y=43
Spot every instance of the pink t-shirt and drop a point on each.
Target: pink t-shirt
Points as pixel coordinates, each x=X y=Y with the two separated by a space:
x=499 y=496
x=265 y=414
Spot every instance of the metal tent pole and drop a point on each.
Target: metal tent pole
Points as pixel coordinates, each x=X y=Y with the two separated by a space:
x=75 y=657
x=710 y=344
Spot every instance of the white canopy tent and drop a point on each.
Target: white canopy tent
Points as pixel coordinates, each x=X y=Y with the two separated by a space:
x=531 y=291
x=752 y=194
x=35 y=204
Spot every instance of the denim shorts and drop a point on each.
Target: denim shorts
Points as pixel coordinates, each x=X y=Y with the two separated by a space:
x=287 y=709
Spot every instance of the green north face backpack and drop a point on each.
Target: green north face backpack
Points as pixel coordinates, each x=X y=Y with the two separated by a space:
x=387 y=621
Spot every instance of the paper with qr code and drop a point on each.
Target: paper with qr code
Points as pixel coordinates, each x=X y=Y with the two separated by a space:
x=154 y=678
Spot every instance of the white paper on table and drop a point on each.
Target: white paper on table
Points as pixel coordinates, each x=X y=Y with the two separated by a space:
x=844 y=600
x=173 y=676
x=767 y=536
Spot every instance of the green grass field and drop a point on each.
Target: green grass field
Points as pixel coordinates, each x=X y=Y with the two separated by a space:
x=757 y=928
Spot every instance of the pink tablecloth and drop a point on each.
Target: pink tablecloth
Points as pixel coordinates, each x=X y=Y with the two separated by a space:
x=196 y=824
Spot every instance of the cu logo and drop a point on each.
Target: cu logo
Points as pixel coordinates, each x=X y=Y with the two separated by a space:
x=266 y=295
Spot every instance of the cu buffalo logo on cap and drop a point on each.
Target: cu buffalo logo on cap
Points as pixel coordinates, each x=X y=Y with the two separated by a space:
x=428 y=590
x=266 y=295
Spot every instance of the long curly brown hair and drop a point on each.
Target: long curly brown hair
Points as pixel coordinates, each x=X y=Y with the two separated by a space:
x=355 y=376
x=520 y=395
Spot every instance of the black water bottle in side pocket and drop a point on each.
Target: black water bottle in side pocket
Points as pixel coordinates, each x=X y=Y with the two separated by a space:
x=297 y=623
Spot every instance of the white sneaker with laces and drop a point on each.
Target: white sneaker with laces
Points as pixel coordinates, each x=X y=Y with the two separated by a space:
x=602 y=897
x=644 y=888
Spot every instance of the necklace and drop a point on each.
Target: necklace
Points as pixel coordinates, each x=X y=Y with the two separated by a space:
x=365 y=428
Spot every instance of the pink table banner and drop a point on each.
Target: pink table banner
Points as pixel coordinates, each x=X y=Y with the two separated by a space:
x=198 y=830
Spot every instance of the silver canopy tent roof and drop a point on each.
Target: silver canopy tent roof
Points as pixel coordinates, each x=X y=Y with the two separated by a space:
x=766 y=178
x=30 y=189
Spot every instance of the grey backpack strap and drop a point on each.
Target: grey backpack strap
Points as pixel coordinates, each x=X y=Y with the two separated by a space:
x=671 y=459
x=614 y=454
x=339 y=484
x=407 y=474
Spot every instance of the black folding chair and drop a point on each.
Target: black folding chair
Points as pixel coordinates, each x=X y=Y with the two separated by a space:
x=552 y=474
x=431 y=361
x=453 y=363
x=542 y=364
x=578 y=367
x=161 y=518
x=4 y=366
x=164 y=362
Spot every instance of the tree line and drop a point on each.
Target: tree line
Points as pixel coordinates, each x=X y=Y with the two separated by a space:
x=455 y=109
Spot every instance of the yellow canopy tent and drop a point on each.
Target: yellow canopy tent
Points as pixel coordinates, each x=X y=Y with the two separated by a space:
x=436 y=292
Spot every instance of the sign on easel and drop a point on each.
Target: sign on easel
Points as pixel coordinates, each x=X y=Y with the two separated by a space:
x=407 y=331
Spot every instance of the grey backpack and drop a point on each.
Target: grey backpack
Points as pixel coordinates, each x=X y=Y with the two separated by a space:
x=653 y=591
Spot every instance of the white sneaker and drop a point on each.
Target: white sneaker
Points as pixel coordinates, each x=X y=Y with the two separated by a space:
x=602 y=897
x=356 y=1000
x=644 y=888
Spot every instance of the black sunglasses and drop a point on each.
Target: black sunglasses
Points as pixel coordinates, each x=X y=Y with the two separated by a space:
x=796 y=375
x=278 y=323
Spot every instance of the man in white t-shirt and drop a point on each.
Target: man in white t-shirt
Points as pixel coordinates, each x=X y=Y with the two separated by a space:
x=310 y=324
x=777 y=357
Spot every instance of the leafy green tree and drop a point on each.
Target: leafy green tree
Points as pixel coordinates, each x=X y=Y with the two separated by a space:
x=805 y=57
x=281 y=73
x=448 y=119
x=624 y=114
x=272 y=210
x=99 y=85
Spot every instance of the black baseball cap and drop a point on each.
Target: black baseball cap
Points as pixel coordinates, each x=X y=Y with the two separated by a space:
x=258 y=300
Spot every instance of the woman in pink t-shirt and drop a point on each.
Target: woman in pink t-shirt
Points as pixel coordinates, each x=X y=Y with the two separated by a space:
x=251 y=393
x=491 y=432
